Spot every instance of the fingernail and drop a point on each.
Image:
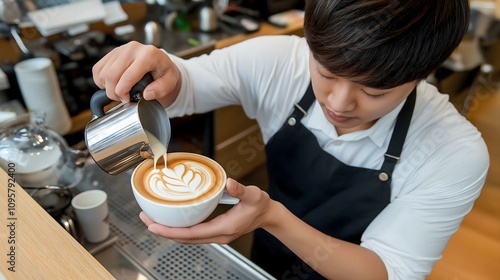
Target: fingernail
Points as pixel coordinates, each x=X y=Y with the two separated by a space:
x=152 y=229
x=141 y=216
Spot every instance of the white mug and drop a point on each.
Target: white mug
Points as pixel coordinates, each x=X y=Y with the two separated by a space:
x=91 y=209
x=181 y=213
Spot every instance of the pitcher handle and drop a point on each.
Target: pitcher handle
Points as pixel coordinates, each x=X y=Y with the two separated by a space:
x=97 y=103
x=100 y=99
x=138 y=88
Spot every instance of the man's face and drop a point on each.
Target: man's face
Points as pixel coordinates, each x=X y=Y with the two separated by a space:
x=351 y=106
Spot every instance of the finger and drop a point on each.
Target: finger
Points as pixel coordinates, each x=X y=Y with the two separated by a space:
x=110 y=83
x=163 y=85
x=148 y=59
x=219 y=229
x=145 y=219
x=152 y=91
x=107 y=72
x=120 y=69
x=97 y=69
x=119 y=73
x=217 y=240
x=208 y=230
x=187 y=236
x=165 y=73
x=247 y=194
x=131 y=75
x=234 y=188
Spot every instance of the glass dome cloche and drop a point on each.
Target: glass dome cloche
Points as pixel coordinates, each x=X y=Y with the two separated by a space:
x=39 y=155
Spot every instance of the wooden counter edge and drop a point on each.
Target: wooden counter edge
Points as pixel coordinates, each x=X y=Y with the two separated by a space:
x=35 y=245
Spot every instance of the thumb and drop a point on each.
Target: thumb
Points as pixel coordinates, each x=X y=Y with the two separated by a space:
x=150 y=91
x=234 y=188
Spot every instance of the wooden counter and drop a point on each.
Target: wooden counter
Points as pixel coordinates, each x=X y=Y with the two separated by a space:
x=34 y=245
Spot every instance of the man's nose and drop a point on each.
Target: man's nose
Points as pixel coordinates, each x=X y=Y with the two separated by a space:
x=342 y=98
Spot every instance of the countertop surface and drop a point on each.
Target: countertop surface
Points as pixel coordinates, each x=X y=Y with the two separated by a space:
x=34 y=245
x=137 y=253
x=37 y=247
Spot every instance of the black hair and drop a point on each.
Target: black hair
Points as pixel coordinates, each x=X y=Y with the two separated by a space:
x=384 y=43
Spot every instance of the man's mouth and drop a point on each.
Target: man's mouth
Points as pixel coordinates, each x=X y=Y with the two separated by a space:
x=337 y=118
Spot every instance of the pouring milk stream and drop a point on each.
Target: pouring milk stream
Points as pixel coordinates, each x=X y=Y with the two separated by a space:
x=157 y=148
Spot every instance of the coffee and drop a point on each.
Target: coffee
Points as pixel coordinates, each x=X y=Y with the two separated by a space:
x=187 y=179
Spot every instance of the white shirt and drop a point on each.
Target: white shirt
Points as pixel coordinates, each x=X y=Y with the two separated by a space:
x=443 y=164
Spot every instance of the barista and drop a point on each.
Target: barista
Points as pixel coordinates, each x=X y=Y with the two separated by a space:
x=371 y=169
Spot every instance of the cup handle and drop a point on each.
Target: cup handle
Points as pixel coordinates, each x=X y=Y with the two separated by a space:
x=227 y=199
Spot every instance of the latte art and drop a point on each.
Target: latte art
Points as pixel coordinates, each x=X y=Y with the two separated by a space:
x=185 y=179
x=184 y=193
x=181 y=181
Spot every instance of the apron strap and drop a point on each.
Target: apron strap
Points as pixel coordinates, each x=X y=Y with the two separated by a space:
x=300 y=109
x=398 y=139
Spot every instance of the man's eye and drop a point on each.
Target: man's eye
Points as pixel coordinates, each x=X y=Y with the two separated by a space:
x=374 y=95
x=323 y=76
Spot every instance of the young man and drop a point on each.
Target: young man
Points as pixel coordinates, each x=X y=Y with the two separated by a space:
x=371 y=169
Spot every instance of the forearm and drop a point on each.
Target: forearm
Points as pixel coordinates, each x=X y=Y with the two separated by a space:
x=331 y=257
x=201 y=88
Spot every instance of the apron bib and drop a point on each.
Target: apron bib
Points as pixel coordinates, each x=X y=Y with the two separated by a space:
x=335 y=198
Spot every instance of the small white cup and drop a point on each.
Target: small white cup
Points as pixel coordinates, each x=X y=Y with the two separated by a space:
x=91 y=209
x=179 y=214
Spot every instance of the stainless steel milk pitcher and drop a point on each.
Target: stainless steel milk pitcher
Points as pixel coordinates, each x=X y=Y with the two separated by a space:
x=120 y=139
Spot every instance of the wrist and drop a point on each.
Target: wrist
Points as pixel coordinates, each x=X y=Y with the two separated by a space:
x=275 y=217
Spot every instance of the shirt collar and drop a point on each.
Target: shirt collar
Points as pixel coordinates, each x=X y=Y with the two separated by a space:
x=378 y=133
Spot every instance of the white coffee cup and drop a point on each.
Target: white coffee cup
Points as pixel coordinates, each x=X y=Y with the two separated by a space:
x=184 y=212
x=91 y=209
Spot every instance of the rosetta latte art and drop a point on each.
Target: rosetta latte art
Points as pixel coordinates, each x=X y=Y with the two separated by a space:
x=186 y=180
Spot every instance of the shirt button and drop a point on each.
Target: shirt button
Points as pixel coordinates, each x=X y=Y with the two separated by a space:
x=337 y=142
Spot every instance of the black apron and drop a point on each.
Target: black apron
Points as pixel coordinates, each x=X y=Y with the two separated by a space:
x=335 y=198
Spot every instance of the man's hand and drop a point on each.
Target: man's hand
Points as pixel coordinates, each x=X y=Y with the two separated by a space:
x=249 y=214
